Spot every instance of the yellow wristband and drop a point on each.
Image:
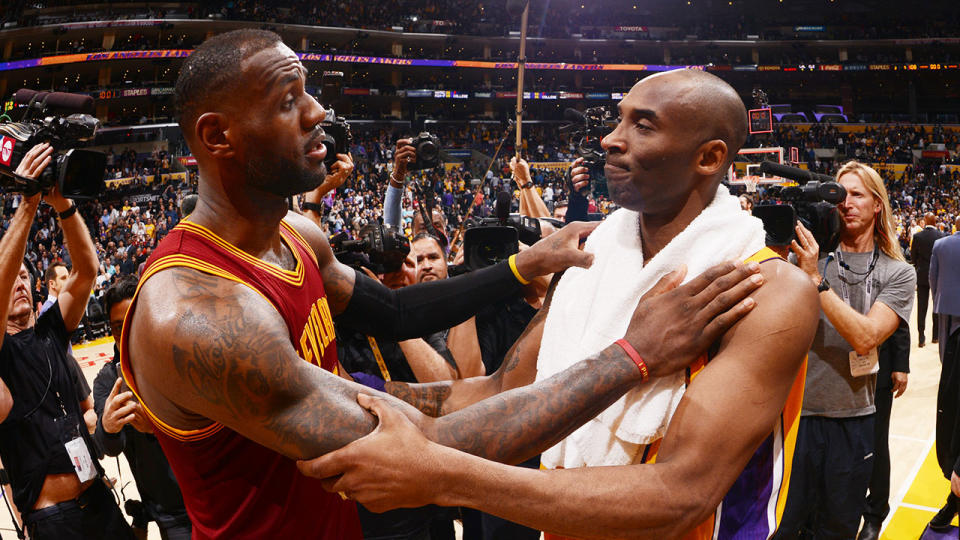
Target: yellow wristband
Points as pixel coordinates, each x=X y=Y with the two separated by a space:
x=516 y=273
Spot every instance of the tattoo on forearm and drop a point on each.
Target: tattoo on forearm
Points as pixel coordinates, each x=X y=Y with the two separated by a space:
x=520 y=423
x=428 y=398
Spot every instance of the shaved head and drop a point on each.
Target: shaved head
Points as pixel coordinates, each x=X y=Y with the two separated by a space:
x=711 y=108
x=929 y=219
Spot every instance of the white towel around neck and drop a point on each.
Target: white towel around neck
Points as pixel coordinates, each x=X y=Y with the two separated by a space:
x=592 y=307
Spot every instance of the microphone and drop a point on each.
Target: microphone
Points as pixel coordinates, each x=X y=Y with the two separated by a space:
x=793 y=173
x=515 y=7
x=56 y=100
x=502 y=207
x=573 y=115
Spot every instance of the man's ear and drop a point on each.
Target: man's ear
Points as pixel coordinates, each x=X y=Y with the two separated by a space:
x=211 y=132
x=711 y=158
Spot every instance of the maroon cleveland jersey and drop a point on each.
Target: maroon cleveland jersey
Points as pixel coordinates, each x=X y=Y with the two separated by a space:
x=232 y=486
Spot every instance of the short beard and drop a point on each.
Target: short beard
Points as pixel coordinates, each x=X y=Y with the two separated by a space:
x=283 y=177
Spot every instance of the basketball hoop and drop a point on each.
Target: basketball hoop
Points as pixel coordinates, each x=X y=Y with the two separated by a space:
x=750 y=182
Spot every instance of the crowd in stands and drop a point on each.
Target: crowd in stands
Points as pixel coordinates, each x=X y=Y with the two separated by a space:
x=131 y=218
x=562 y=19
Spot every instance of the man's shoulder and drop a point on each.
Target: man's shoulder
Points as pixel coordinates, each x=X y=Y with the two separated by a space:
x=951 y=241
x=787 y=293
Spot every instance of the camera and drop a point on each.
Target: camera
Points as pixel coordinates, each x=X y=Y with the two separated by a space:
x=336 y=137
x=385 y=248
x=590 y=126
x=427 y=147
x=336 y=131
x=77 y=173
x=813 y=203
x=488 y=241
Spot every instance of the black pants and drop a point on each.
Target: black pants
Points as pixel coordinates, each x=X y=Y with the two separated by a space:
x=878 y=500
x=831 y=469
x=923 y=298
x=95 y=515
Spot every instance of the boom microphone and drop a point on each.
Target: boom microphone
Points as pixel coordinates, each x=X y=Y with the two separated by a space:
x=573 y=115
x=793 y=173
x=60 y=101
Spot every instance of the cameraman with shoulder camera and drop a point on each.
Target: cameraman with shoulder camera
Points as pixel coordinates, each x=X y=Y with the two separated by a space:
x=43 y=441
x=866 y=291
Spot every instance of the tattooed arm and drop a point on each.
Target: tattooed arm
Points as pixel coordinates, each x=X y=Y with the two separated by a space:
x=518 y=369
x=232 y=362
x=218 y=351
x=411 y=312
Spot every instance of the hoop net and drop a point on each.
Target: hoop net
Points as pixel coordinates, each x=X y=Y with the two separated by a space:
x=750 y=182
x=745 y=170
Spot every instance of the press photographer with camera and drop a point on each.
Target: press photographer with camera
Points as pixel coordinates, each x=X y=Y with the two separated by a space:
x=312 y=205
x=43 y=441
x=866 y=291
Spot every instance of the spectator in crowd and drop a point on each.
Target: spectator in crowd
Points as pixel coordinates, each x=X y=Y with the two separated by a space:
x=866 y=290
x=44 y=443
x=55 y=277
x=123 y=427
x=945 y=286
x=920 y=250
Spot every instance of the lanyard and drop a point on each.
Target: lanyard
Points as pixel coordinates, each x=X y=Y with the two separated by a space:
x=376 y=354
x=866 y=281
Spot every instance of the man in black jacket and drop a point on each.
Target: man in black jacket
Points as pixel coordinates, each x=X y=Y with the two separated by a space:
x=920 y=250
x=891 y=383
x=122 y=427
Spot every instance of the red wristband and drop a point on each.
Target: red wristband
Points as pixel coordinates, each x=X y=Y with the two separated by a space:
x=635 y=356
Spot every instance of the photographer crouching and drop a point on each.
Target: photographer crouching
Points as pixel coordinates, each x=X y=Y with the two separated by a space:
x=44 y=443
x=866 y=291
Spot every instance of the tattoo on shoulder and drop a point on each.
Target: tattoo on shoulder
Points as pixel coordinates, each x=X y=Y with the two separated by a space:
x=227 y=353
x=428 y=398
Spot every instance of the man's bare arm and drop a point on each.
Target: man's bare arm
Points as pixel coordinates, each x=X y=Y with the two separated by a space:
x=519 y=368
x=425 y=362
x=219 y=351
x=76 y=291
x=232 y=362
x=13 y=245
x=728 y=410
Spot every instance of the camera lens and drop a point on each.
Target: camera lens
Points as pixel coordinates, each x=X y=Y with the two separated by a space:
x=427 y=151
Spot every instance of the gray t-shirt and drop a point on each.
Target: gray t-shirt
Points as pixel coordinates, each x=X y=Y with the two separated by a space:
x=830 y=389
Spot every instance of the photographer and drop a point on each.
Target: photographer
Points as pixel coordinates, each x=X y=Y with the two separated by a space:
x=866 y=291
x=43 y=441
x=124 y=427
x=312 y=205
